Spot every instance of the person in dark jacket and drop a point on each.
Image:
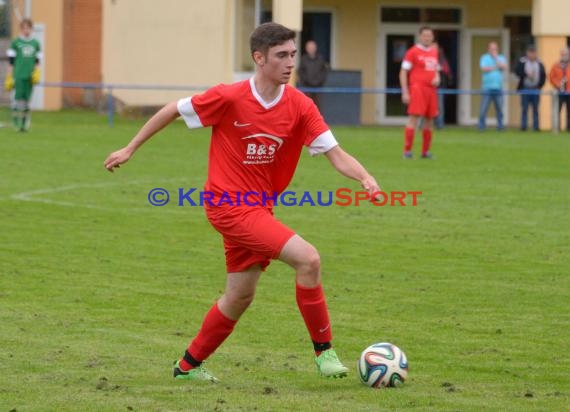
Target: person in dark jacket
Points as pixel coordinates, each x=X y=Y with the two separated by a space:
x=312 y=70
x=532 y=76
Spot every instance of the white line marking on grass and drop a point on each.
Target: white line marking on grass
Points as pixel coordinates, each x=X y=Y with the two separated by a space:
x=32 y=195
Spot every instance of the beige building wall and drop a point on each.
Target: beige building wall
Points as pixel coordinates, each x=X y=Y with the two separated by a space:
x=289 y=13
x=50 y=13
x=551 y=27
x=549 y=52
x=182 y=42
x=167 y=42
x=195 y=44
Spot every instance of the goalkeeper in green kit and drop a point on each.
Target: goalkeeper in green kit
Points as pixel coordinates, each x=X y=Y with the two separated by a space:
x=24 y=54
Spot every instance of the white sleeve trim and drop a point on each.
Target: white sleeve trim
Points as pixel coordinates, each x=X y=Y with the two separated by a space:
x=406 y=65
x=39 y=55
x=323 y=143
x=188 y=113
x=11 y=53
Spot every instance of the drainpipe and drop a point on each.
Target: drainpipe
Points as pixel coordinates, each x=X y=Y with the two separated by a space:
x=28 y=8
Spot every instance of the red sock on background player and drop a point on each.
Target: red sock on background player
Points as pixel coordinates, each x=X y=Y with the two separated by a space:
x=408 y=139
x=427 y=136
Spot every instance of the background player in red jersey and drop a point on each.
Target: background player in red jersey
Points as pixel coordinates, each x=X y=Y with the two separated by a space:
x=419 y=79
x=258 y=130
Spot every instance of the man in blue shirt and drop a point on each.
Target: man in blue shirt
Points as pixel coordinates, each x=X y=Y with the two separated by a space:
x=493 y=65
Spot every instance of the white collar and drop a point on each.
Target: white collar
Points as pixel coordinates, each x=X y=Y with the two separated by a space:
x=421 y=46
x=260 y=99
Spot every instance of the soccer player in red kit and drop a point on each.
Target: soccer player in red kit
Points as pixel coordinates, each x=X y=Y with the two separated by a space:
x=419 y=79
x=259 y=127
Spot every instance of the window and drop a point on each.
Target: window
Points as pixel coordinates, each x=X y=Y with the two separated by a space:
x=4 y=18
x=521 y=37
x=420 y=15
x=400 y=14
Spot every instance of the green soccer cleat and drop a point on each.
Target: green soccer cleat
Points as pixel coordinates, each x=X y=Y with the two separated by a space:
x=329 y=365
x=198 y=373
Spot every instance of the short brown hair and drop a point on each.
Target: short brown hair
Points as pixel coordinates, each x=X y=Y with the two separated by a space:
x=424 y=28
x=27 y=22
x=269 y=35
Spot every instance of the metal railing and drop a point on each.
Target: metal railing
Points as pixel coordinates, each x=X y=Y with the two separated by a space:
x=109 y=88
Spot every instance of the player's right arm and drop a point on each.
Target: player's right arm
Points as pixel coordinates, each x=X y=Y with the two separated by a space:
x=404 y=71
x=156 y=123
x=404 y=86
x=197 y=111
x=11 y=53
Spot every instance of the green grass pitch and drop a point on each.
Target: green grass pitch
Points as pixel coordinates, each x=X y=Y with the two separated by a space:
x=100 y=292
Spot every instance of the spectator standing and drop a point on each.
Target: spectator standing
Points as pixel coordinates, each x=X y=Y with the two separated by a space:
x=532 y=76
x=560 y=79
x=312 y=70
x=493 y=65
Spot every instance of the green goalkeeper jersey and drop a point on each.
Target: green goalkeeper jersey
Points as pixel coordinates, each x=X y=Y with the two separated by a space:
x=25 y=52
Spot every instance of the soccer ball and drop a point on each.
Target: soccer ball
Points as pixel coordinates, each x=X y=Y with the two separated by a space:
x=382 y=365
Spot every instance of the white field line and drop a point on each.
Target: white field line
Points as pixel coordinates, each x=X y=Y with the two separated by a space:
x=35 y=195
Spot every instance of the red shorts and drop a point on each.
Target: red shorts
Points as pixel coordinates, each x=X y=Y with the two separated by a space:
x=252 y=235
x=423 y=101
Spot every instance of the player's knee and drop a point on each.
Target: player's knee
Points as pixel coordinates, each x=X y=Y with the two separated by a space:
x=312 y=262
x=241 y=301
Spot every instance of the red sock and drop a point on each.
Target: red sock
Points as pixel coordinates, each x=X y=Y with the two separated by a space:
x=409 y=139
x=427 y=135
x=313 y=307
x=216 y=327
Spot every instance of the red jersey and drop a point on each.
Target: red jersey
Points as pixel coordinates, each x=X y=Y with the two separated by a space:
x=422 y=64
x=255 y=146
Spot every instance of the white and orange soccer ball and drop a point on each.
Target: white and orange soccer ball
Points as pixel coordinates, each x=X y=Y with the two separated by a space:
x=382 y=365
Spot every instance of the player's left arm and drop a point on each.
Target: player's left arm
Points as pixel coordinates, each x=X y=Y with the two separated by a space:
x=325 y=143
x=348 y=166
x=36 y=75
x=436 y=79
x=39 y=55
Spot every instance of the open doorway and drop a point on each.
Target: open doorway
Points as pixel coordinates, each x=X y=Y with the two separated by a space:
x=448 y=42
x=393 y=43
x=317 y=26
x=474 y=44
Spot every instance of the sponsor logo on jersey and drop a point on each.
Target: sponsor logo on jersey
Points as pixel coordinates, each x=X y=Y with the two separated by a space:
x=28 y=50
x=261 y=148
x=430 y=62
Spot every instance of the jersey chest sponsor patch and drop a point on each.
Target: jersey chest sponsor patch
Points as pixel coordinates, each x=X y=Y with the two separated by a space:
x=27 y=50
x=429 y=62
x=261 y=148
